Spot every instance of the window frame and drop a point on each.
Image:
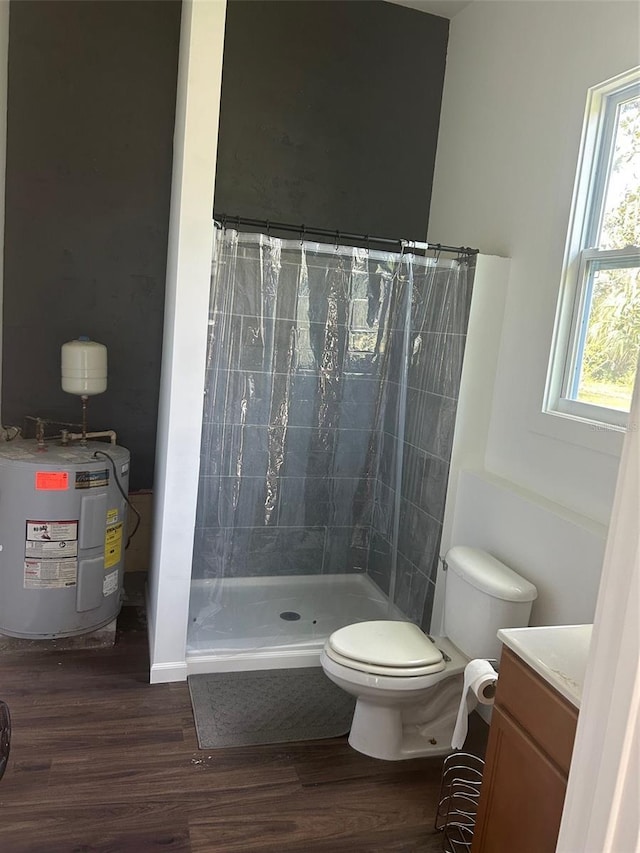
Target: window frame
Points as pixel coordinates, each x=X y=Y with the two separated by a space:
x=582 y=259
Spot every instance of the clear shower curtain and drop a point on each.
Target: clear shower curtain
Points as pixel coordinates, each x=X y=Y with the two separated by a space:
x=331 y=383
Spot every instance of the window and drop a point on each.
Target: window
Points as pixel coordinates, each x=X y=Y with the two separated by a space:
x=598 y=336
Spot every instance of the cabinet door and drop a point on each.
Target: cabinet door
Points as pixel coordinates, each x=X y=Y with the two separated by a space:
x=537 y=708
x=522 y=794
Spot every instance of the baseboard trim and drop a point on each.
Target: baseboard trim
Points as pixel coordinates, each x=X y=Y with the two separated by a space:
x=202 y=664
x=163 y=673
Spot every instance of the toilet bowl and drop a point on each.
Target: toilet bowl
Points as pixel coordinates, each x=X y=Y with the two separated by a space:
x=399 y=715
x=408 y=685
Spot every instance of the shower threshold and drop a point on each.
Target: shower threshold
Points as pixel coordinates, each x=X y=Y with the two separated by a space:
x=275 y=622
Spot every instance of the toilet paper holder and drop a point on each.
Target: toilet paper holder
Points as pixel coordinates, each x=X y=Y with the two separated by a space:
x=458 y=801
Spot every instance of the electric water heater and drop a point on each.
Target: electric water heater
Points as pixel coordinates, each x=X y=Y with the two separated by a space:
x=63 y=523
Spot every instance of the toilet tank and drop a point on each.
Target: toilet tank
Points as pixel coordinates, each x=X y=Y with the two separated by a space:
x=483 y=595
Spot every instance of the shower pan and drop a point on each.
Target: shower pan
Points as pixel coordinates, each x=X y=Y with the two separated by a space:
x=287 y=617
x=331 y=386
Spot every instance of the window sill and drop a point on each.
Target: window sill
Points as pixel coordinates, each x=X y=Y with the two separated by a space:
x=593 y=435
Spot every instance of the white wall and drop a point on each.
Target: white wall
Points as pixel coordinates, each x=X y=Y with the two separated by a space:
x=514 y=98
x=548 y=544
x=185 y=333
x=473 y=418
x=559 y=551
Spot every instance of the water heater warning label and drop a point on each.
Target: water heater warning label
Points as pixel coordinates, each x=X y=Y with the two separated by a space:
x=113 y=546
x=51 y=550
x=52 y=481
x=52 y=531
x=51 y=554
x=110 y=583
x=50 y=574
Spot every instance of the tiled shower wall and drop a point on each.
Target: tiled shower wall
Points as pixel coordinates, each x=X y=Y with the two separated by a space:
x=291 y=390
x=439 y=322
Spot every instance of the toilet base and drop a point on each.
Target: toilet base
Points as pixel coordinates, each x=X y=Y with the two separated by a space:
x=402 y=731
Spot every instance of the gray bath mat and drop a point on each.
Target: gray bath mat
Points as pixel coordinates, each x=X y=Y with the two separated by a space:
x=268 y=706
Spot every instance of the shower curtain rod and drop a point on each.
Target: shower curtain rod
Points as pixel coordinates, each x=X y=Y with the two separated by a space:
x=266 y=224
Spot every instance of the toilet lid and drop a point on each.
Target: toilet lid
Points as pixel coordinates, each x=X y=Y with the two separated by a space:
x=396 y=645
x=388 y=671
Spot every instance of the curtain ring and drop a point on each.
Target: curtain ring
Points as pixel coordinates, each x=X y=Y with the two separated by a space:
x=337 y=239
x=366 y=242
x=268 y=228
x=223 y=222
x=302 y=233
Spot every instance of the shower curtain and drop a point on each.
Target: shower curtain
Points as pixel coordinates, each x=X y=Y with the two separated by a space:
x=331 y=387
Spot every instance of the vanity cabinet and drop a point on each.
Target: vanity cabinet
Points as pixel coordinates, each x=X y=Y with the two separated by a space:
x=527 y=764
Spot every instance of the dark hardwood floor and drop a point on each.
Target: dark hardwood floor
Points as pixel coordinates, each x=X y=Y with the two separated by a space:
x=101 y=761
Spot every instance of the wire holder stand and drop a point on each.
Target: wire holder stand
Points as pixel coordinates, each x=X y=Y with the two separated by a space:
x=5 y=736
x=458 y=801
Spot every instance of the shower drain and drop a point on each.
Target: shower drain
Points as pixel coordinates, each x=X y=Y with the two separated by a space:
x=290 y=616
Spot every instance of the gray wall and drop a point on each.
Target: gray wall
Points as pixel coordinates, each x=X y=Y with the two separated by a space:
x=91 y=105
x=329 y=117
x=329 y=114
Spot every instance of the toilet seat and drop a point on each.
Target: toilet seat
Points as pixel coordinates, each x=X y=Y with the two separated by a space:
x=392 y=672
x=385 y=648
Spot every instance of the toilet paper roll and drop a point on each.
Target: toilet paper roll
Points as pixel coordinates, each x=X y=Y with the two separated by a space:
x=479 y=685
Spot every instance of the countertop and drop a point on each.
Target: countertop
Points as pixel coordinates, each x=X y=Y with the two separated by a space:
x=558 y=653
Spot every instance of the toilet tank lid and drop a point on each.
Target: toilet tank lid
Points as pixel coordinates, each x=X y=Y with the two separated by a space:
x=484 y=572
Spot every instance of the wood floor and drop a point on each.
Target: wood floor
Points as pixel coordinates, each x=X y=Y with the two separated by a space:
x=101 y=761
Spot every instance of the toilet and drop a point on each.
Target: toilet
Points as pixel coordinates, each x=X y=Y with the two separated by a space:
x=408 y=685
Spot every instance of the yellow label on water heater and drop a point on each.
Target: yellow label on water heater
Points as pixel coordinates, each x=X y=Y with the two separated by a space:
x=113 y=546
